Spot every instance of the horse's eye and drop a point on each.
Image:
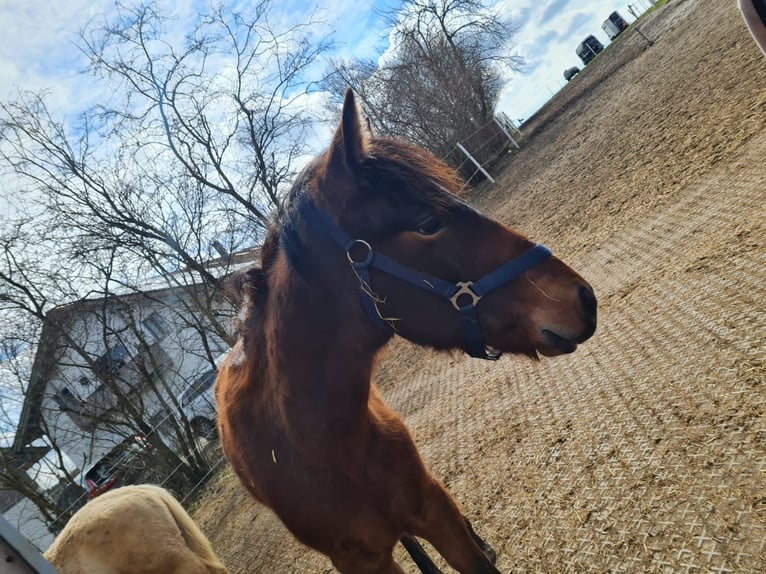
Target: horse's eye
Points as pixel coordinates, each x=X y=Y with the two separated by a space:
x=430 y=225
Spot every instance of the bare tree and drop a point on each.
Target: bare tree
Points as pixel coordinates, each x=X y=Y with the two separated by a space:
x=21 y=466
x=26 y=290
x=96 y=204
x=442 y=76
x=197 y=139
x=191 y=148
x=238 y=133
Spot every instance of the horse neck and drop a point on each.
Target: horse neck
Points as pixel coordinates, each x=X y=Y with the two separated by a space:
x=322 y=350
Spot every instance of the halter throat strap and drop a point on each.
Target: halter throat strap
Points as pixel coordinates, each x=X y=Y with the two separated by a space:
x=463 y=295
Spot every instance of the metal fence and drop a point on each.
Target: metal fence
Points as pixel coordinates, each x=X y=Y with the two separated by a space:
x=476 y=155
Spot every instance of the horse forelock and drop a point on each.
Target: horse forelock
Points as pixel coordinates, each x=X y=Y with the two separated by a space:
x=249 y=287
x=419 y=173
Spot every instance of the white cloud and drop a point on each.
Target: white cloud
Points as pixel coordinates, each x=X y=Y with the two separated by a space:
x=37 y=48
x=549 y=34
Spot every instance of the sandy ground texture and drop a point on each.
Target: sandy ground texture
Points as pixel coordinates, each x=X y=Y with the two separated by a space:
x=645 y=451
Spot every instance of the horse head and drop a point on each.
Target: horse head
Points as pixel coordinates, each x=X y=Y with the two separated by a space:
x=426 y=265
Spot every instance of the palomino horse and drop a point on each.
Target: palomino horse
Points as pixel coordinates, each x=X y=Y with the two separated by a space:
x=373 y=242
x=133 y=530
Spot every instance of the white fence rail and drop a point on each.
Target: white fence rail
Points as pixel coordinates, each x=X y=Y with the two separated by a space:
x=476 y=154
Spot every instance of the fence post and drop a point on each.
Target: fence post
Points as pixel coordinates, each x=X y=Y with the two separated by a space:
x=474 y=162
x=500 y=125
x=509 y=122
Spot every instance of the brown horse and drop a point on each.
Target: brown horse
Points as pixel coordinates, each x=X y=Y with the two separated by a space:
x=373 y=241
x=133 y=530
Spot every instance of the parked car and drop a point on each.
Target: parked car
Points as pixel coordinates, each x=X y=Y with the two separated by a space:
x=198 y=402
x=589 y=49
x=570 y=73
x=124 y=464
x=614 y=25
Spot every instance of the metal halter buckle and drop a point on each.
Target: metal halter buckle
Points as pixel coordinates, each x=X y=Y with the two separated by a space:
x=353 y=243
x=465 y=289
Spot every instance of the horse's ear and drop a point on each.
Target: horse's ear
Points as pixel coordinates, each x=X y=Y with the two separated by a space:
x=349 y=145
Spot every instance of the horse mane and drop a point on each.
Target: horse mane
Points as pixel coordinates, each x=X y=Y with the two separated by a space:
x=248 y=287
x=249 y=283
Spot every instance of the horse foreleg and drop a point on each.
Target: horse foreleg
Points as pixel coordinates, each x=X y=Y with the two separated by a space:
x=423 y=560
x=489 y=552
x=419 y=555
x=442 y=524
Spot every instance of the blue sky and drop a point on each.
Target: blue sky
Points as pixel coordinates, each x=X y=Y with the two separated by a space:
x=37 y=44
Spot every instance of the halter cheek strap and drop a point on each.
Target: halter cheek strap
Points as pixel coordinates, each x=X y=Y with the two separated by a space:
x=464 y=295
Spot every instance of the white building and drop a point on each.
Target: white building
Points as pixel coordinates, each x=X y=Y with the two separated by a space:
x=102 y=363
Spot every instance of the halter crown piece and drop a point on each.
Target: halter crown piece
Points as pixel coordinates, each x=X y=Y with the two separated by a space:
x=456 y=293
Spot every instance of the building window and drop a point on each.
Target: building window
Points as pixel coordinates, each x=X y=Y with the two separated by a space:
x=67 y=401
x=77 y=409
x=111 y=361
x=157 y=326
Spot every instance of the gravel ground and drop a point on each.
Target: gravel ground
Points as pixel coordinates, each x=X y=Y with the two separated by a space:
x=645 y=451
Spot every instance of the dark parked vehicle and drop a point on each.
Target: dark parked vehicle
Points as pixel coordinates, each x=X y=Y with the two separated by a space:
x=614 y=25
x=198 y=404
x=570 y=73
x=589 y=49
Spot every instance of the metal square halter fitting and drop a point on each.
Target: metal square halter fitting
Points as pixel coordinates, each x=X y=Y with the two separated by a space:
x=465 y=289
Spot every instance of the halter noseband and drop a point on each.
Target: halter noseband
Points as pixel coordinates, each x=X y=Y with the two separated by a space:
x=454 y=292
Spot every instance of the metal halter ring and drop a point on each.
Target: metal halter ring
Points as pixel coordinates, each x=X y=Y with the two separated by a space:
x=465 y=289
x=353 y=243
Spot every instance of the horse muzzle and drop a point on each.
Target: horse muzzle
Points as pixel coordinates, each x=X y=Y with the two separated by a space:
x=559 y=340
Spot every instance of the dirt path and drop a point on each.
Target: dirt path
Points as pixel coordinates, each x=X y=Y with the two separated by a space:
x=645 y=451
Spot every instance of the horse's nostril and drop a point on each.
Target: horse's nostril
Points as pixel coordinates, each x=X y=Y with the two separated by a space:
x=588 y=303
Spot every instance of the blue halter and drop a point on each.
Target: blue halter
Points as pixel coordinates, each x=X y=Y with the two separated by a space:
x=464 y=295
